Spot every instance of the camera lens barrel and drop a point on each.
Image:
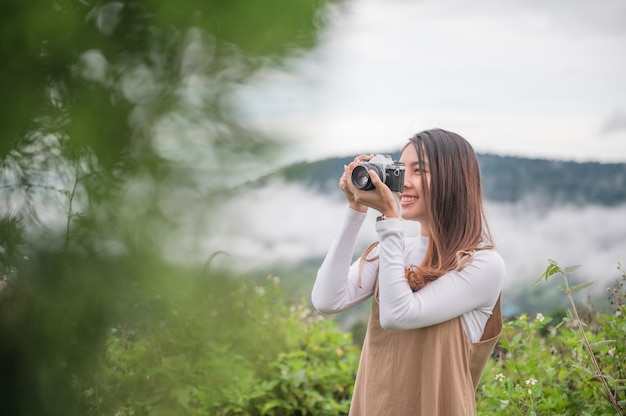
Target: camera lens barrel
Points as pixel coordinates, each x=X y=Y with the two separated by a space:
x=361 y=179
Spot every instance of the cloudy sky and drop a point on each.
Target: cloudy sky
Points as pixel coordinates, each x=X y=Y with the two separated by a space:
x=538 y=78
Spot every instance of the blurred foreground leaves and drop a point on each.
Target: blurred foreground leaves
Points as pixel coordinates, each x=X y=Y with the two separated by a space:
x=118 y=129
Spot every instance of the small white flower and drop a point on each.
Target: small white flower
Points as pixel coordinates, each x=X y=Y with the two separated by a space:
x=612 y=351
x=305 y=313
x=540 y=317
x=260 y=290
x=531 y=382
x=500 y=377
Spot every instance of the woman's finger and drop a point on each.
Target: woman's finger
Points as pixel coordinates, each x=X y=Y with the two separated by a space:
x=363 y=158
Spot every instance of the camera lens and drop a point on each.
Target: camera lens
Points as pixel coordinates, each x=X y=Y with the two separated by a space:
x=361 y=178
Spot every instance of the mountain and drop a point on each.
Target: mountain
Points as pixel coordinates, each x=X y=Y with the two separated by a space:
x=505 y=179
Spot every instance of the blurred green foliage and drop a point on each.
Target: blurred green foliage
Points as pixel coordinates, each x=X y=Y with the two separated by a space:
x=47 y=71
x=243 y=350
x=117 y=126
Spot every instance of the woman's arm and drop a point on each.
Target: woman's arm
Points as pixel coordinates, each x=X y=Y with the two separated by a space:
x=336 y=286
x=453 y=294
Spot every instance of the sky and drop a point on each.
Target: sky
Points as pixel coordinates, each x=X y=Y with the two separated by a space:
x=535 y=78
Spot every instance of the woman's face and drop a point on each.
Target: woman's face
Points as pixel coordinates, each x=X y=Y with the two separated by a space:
x=413 y=199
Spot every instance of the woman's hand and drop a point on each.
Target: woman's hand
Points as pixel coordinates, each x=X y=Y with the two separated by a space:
x=345 y=183
x=380 y=198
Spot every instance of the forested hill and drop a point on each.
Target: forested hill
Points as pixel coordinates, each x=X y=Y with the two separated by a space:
x=506 y=179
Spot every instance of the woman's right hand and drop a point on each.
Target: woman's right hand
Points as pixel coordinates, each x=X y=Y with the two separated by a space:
x=346 y=178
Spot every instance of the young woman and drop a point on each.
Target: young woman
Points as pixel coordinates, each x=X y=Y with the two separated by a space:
x=435 y=316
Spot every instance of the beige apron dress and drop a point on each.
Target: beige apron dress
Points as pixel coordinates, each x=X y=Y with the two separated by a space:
x=432 y=371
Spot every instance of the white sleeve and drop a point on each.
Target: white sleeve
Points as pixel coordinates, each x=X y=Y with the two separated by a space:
x=453 y=294
x=336 y=287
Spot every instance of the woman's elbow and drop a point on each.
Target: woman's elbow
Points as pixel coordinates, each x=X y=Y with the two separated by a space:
x=389 y=323
x=325 y=310
x=322 y=305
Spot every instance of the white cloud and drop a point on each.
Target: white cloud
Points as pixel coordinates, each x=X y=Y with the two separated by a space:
x=616 y=123
x=591 y=236
x=291 y=224
x=531 y=80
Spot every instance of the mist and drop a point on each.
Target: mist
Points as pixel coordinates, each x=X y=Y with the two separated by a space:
x=288 y=224
x=591 y=236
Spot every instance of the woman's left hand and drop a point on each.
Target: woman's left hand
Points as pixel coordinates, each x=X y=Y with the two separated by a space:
x=381 y=198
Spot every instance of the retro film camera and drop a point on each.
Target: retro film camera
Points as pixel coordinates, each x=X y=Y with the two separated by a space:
x=390 y=172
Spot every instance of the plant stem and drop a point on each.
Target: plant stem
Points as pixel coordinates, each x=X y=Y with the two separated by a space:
x=599 y=373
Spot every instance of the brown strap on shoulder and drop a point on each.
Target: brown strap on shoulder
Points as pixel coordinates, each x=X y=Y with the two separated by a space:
x=364 y=258
x=494 y=323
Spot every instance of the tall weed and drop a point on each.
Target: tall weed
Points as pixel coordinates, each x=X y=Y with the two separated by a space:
x=571 y=367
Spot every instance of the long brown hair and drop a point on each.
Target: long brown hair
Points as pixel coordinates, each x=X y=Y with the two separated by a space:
x=454 y=206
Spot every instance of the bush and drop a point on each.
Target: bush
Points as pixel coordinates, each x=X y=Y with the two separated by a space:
x=226 y=347
x=223 y=346
x=543 y=367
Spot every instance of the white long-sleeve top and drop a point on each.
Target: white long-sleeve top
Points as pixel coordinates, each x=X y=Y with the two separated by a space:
x=471 y=293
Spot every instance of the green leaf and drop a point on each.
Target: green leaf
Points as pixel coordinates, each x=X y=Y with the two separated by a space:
x=182 y=395
x=536 y=282
x=550 y=270
x=601 y=343
x=571 y=269
x=580 y=287
x=271 y=405
x=584 y=369
x=504 y=404
x=609 y=378
x=553 y=262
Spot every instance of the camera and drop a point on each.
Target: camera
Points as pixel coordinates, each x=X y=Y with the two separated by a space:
x=390 y=172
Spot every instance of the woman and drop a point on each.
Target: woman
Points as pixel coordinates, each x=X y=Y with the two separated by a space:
x=435 y=317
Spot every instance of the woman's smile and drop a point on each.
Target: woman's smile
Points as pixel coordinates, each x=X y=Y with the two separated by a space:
x=407 y=199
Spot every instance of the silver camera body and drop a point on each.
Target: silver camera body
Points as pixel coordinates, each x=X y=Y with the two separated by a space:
x=389 y=171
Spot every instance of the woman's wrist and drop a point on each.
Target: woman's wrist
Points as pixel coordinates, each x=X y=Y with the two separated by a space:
x=384 y=216
x=358 y=207
x=391 y=212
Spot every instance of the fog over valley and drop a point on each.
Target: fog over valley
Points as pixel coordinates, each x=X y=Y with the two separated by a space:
x=289 y=224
